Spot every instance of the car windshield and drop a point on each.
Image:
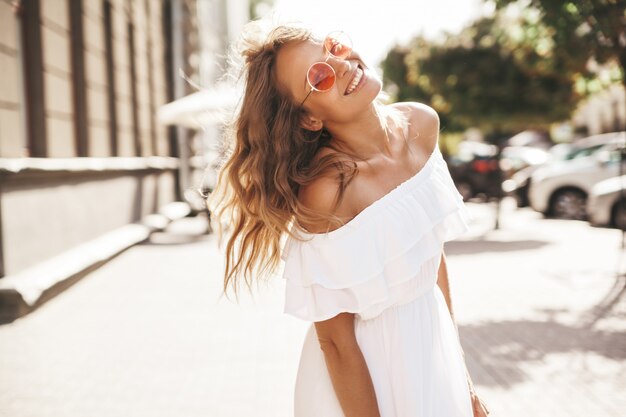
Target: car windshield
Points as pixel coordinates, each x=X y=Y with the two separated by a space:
x=582 y=152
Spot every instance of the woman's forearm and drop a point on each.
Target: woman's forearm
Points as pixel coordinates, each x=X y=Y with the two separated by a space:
x=352 y=381
x=444 y=284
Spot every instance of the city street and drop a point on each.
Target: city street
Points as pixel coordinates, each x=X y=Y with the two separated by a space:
x=539 y=304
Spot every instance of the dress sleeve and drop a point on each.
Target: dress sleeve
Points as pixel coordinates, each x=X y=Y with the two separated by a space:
x=380 y=255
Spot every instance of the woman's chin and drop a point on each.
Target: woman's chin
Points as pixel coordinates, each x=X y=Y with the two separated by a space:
x=374 y=83
x=373 y=89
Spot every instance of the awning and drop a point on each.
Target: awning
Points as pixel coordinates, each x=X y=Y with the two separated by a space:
x=203 y=108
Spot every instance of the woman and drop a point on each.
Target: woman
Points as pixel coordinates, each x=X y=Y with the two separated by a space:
x=365 y=200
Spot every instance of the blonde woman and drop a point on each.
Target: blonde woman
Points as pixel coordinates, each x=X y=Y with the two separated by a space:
x=365 y=200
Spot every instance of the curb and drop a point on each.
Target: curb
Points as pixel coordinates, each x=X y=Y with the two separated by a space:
x=25 y=291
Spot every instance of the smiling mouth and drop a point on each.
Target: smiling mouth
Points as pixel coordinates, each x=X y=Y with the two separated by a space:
x=356 y=80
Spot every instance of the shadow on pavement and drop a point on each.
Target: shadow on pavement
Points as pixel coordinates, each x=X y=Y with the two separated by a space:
x=610 y=304
x=497 y=352
x=468 y=247
x=172 y=239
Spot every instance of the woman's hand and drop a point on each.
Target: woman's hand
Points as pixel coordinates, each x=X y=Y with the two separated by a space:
x=479 y=407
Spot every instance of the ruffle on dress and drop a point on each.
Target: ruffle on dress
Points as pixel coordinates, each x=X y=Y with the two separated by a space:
x=388 y=254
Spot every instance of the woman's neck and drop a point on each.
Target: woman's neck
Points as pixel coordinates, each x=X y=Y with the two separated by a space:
x=364 y=137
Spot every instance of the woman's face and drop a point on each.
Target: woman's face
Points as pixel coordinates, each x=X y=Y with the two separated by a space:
x=339 y=104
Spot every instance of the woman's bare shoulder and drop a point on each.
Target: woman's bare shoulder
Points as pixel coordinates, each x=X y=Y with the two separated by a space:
x=423 y=123
x=321 y=195
x=417 y=111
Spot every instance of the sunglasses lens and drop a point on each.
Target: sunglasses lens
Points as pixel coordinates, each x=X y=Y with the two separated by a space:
x=338 y=44
x=321 y=76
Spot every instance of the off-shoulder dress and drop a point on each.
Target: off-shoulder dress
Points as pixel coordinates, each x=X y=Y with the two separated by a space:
x=382 y=265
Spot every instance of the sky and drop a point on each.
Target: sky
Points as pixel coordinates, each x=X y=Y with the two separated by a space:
x=376 y=25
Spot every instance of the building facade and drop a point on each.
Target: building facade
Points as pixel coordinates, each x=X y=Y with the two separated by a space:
x=602 y=112
x=81 y=150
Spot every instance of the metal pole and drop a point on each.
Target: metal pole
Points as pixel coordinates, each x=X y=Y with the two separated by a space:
x=622 y=161
x=500 y=179
x=622 y=202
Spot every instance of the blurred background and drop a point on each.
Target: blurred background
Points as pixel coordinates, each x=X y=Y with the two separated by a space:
x=111 y=114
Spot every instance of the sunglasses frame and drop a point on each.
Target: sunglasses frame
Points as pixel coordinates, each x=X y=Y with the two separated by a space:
x=325 y=62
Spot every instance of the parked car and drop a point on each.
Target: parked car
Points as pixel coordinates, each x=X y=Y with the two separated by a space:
x=607 y=203
x=531 y=139
x=475 y=170
x=518 y=182
x=515 y=158
x=560 y=188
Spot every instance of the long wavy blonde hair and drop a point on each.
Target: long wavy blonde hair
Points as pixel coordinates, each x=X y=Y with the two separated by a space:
x=269 y=158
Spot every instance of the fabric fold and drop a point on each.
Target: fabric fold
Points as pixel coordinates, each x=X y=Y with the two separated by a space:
x=388 y=254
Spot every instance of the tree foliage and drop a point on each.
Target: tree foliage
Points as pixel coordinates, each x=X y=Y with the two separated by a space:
x=582 y=30
x=497 y=74
x=515 y=71
x=255 y=8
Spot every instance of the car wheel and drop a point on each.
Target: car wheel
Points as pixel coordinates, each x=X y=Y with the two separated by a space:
x=569 y=204
x=466 y=190
x=521 y=196
x=618 y=215
x=524 y=194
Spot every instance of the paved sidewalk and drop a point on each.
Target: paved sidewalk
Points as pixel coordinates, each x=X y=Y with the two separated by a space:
x=542 y=314
x=147 y=335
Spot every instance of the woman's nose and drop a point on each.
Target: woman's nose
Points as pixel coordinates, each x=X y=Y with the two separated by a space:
x=341 y=66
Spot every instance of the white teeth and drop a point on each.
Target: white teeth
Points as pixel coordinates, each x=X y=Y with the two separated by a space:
x=355 y=80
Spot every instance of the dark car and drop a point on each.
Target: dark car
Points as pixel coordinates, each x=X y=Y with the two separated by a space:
x=475 y=170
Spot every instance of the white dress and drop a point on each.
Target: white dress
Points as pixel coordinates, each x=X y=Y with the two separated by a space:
x=382 y=265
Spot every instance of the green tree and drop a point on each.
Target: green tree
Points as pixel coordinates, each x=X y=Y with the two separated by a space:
x=492 y=75
x=256 y=8
x=583 y=30
x=405 y=88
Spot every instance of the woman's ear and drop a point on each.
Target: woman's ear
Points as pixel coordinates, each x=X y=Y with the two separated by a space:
x=311 y=123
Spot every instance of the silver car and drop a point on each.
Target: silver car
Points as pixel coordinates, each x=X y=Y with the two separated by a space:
x=607 y=203
x=560 y=189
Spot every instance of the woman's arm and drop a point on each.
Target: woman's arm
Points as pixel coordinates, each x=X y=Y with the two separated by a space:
x=444 y=285
x=345 y=362
x=479 y=408
x=347 y=367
